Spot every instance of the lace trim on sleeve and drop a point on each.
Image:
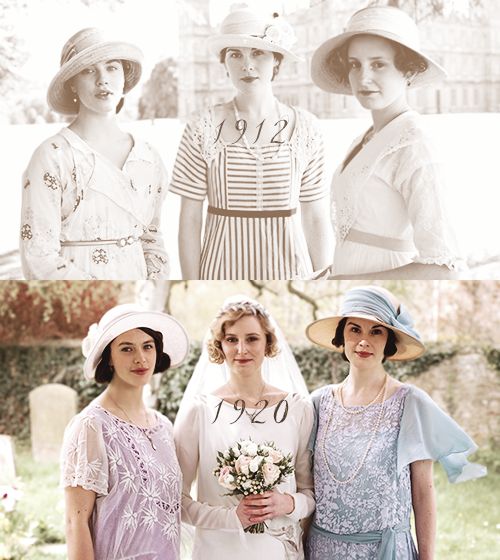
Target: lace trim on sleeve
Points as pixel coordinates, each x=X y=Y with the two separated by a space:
x=84 y=459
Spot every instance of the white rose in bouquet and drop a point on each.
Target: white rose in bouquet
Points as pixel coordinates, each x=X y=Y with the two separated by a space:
x=226 y=478
x=271 y=473
x=275 y=455
x=236 y=451
x=241 y=464
x=254 y=464
x=251 y=449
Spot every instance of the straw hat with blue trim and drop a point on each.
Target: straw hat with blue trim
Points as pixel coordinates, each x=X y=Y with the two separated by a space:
x=375 y=304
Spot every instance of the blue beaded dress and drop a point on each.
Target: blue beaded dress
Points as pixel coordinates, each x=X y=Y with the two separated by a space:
x=369 y=517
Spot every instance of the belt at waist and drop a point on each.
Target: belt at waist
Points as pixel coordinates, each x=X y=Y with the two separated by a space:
x=121 y=242
x=389 y=243
x=252 y=213
x=386 y=538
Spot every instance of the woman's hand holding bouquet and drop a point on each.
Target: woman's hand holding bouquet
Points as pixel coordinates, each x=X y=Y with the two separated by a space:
x=254 y=471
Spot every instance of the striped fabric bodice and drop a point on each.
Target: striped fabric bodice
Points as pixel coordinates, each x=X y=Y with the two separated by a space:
x=260 y=236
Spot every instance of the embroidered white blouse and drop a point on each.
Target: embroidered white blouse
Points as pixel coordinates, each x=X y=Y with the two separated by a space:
x=84 y=218
x=392 y=190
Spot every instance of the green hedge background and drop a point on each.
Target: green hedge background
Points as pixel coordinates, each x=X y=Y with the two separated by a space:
x=27 y=367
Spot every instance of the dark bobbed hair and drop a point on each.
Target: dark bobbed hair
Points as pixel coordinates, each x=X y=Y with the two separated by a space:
x=277 y=56
x=408 y=62
x=104 y=372
x=338 y=340
x=127 y=68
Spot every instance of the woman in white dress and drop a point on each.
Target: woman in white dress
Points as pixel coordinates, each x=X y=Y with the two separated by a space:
x=92 y=193
x=257 y=161
x=387 y=195
x=242 y=362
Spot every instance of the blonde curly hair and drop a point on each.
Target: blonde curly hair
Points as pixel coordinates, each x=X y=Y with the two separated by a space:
x=231 y=313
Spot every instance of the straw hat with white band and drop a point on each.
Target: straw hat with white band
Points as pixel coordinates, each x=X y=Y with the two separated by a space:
x=123 y=318
x=375 y=304
x=382 y=21
x=246 y=28
x=85 y=48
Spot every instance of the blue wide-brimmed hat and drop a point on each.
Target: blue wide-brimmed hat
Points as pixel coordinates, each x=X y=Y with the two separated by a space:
x=375 y=304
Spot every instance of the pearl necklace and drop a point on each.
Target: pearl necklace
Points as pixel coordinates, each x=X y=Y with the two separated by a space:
x=363 y=408
x=130 y=420
x=368 y=447
x=255 y=153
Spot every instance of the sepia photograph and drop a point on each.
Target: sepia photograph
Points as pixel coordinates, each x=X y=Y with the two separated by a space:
x=268 y=140
x=250 y=280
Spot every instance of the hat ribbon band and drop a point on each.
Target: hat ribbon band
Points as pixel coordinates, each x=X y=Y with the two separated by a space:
x=366 y=302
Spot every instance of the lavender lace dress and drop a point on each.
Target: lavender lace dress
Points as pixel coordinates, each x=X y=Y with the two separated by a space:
x=137 y=509
x=377 y=498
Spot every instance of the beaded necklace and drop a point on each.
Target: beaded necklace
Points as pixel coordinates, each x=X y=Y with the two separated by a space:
x=370 y=443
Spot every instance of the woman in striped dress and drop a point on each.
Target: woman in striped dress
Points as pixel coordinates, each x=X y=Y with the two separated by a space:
x=255 y=160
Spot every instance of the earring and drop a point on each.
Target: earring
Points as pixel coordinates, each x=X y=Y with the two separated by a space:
x=408 y=83
x=75 y=100
x=227 y=73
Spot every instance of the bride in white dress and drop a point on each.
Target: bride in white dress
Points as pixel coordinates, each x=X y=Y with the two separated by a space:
x=245 y=359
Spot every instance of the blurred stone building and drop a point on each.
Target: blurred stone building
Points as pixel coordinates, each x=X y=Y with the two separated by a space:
x=469 y=48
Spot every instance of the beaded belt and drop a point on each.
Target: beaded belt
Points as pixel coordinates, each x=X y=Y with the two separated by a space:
x=386 y=538
x=389 y=243
x=251 y=213
x=122 y=242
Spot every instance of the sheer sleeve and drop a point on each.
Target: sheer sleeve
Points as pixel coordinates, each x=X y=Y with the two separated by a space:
x=313 y=184
x=153 y=245
x=316 y=397
x=44 y=181
x=187 y=437
x=304 y=497
x=427 y=432
x=420 y=179
x=84 y=459
x=190 y=173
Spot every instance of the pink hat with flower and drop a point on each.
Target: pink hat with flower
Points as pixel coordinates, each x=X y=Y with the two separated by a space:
x=246 y=28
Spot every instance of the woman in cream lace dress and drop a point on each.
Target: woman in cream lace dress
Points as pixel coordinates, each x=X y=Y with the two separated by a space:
x=388 y=194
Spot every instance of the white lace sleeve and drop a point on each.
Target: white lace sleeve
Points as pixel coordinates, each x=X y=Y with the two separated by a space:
x=44 y=181
x=313 y=185
x=420 y=180
x=153 y=245
x=84 y=459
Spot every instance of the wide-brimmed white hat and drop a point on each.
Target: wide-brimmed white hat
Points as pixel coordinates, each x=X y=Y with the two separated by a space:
x=245 y=28
x=85 y=48
x=375 y=304
x=383 y=21
x=125 y=317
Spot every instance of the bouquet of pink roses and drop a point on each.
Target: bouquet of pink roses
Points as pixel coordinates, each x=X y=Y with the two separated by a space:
x=249 y=468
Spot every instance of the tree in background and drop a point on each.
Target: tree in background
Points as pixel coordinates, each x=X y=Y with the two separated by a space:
x=40 y=311
x=12 y=55
x=159 y=94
